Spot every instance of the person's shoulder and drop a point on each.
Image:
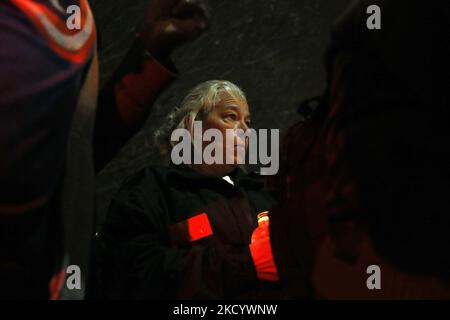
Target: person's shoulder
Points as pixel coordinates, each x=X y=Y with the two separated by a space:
x=30 y=65
x=146 y=179
x=51 y=27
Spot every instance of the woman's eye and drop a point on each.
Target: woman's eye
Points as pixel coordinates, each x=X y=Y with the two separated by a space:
x=232 y=117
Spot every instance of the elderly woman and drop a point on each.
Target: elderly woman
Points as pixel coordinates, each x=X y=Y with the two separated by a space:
x=190 y=231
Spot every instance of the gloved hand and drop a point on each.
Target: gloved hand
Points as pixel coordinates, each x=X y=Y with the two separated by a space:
x=261 y=251
x=170 y=23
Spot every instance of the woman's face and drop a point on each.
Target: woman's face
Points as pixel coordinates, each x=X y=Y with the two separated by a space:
x=232 y=113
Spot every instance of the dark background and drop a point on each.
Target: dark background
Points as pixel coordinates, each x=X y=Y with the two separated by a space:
x=272 y=49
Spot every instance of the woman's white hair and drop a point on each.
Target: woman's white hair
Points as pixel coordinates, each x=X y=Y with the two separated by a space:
x=197 y=104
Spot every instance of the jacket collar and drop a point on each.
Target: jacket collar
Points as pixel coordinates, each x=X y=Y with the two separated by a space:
x=239 y=176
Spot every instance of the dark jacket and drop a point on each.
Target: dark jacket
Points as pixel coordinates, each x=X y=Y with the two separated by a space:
x=151 y=246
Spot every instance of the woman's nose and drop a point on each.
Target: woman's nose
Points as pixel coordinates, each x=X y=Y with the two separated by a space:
x=243 y=126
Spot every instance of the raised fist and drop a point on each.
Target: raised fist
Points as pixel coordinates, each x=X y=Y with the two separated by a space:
x=171 y=23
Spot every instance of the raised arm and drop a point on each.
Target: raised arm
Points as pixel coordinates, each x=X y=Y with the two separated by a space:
x=126 y=100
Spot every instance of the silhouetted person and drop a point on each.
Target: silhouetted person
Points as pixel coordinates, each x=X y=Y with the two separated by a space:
x=48 y=121
x=366 y=177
